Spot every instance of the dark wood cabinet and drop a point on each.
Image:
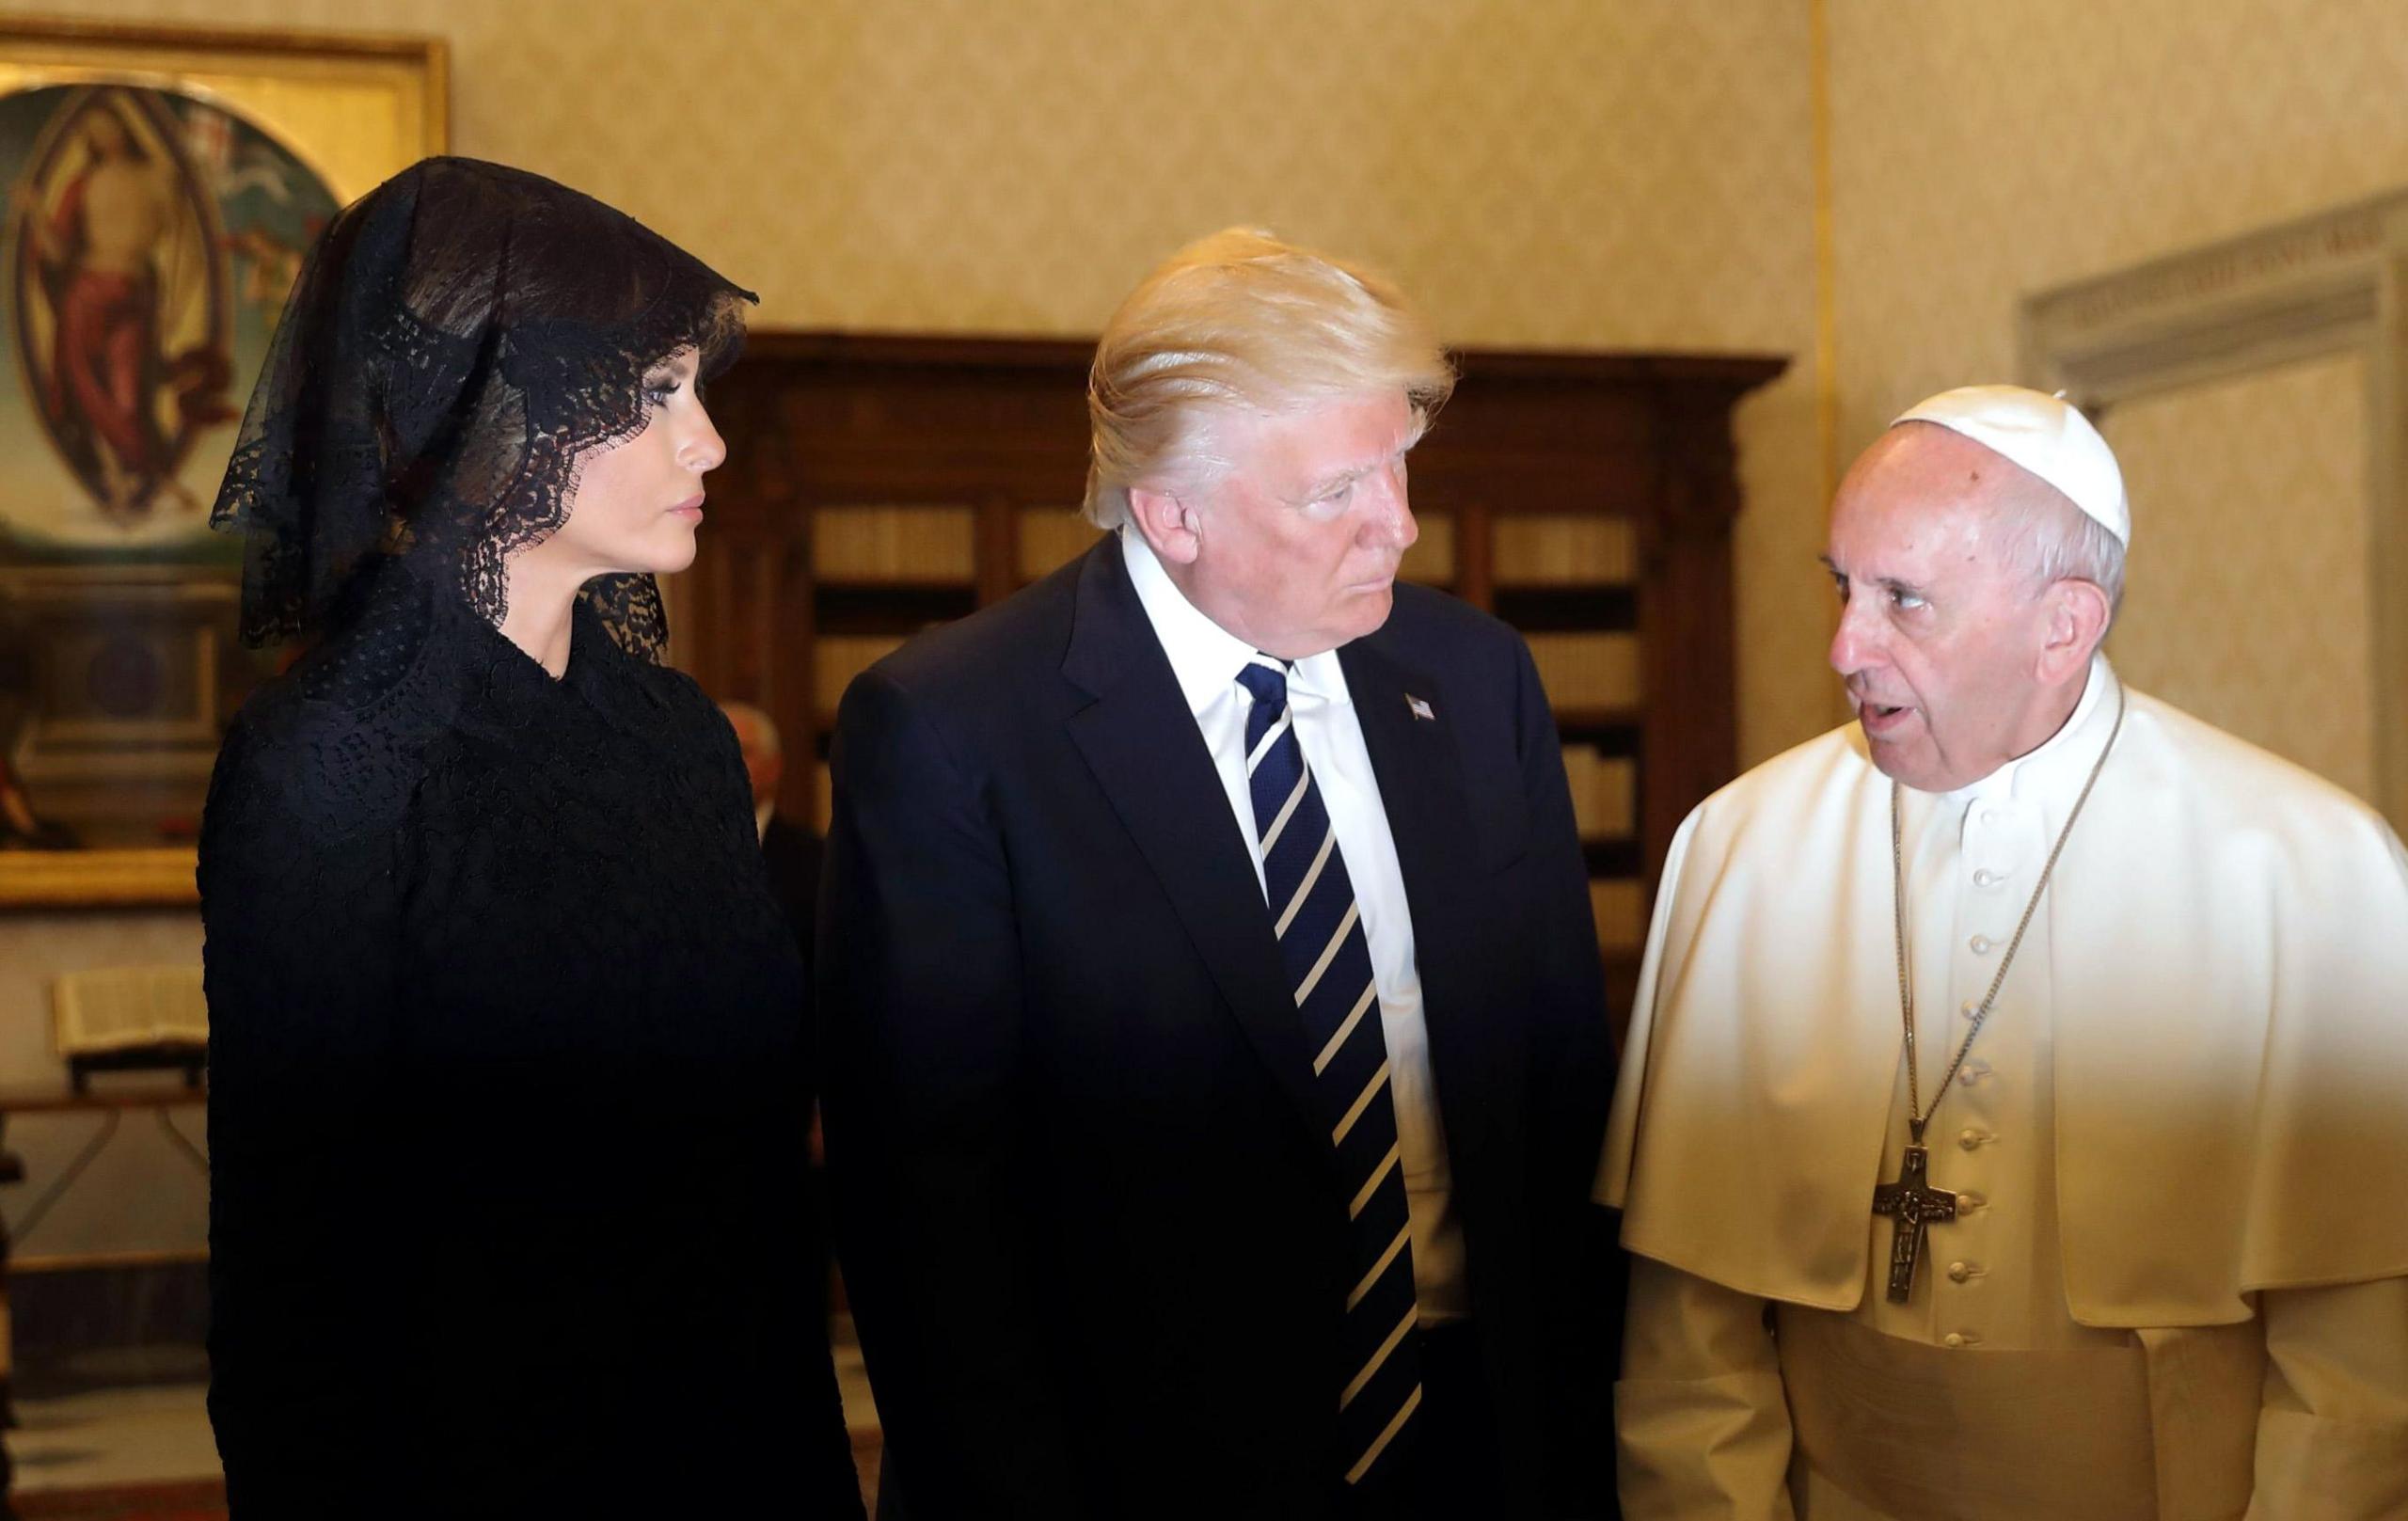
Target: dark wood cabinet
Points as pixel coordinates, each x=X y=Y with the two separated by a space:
x=876 y=485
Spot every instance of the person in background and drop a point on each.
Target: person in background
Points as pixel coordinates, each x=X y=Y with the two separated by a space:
x=792 y=852
x=792 y=855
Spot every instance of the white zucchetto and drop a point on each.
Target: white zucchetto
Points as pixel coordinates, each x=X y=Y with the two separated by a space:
x=2046 y=436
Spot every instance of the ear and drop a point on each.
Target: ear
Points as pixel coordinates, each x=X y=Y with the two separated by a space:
x=2078 y=615
x=1168 y=523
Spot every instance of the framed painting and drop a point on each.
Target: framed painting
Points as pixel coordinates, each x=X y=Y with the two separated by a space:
x=161 y=186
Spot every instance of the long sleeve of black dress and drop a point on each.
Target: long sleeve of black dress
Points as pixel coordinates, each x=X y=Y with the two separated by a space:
x=510 y=1094
x=306 y=1203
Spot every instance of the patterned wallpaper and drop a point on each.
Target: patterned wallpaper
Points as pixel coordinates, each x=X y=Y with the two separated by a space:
x=1571 y=172
x=1583 y=173
x=2274 y=523
x=1981 y=152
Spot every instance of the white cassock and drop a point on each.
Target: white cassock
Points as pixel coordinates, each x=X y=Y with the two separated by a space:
x=2177 y=1283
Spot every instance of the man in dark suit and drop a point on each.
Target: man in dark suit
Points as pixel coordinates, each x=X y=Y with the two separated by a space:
x=1217 y=1061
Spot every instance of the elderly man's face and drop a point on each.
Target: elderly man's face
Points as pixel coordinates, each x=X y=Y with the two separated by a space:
x=1296 y=545
x=1940 y=636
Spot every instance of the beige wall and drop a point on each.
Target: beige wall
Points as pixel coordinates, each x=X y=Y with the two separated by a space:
x=2258 y=487
x=1565 y=172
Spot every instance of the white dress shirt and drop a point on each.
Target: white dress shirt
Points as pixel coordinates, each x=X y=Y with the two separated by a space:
x=1207 y=658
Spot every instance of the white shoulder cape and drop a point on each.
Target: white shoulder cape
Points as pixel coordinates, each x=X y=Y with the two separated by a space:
x=2230 y=981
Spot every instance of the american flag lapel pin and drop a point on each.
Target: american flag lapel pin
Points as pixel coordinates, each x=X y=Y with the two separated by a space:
x=1421 y=709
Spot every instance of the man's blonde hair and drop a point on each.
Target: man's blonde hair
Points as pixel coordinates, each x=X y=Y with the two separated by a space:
x=1241 y=320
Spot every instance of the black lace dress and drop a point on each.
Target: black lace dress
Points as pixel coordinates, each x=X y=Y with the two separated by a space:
x=511 y=1094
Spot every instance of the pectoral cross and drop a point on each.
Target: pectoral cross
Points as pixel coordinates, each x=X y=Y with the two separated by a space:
x=1915 y=1204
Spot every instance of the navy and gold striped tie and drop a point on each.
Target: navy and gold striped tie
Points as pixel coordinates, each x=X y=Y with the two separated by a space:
x=1329 y=969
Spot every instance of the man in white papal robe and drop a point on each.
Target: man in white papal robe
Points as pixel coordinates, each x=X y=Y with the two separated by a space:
x=2172 y=1282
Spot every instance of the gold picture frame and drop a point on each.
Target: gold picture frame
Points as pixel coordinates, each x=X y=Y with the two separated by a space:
x=349 y=109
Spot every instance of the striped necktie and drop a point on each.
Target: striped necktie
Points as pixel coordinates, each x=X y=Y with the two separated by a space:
x=1329 y=968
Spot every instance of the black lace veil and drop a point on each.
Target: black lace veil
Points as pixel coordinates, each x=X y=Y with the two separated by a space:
x=460 y=340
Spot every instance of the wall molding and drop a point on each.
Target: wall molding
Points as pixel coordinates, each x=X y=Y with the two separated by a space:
x=2330 y=283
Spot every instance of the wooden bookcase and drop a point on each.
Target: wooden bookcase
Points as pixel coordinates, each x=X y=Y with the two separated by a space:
x=875 y=485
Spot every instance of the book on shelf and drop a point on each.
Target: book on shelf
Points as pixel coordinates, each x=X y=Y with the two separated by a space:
x=896 y=545
x=1588 y=671
x=1555 y=549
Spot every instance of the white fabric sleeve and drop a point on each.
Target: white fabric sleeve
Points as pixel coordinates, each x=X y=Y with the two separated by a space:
x=1701 y=1427
x=2333 y=1432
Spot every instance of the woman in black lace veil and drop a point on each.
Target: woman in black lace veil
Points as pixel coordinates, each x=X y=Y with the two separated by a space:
x=509 y=1081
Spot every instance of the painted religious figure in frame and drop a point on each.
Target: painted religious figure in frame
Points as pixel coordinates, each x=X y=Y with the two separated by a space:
x=161 y=188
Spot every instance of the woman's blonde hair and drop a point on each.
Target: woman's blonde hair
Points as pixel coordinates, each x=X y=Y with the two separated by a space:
x=1241 y=320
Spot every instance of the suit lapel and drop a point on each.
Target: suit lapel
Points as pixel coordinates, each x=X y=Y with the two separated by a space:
x=1421 y=789
x=1141 y=743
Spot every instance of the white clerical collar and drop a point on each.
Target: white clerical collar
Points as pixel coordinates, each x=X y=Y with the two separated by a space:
x=1205 y=657
x=2065 y=759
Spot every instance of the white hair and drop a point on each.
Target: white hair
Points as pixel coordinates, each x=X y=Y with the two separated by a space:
x=2050 y=539
x=1241 y=320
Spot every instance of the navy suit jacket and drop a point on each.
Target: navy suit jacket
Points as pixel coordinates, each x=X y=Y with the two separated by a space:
x=1091 y=1224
